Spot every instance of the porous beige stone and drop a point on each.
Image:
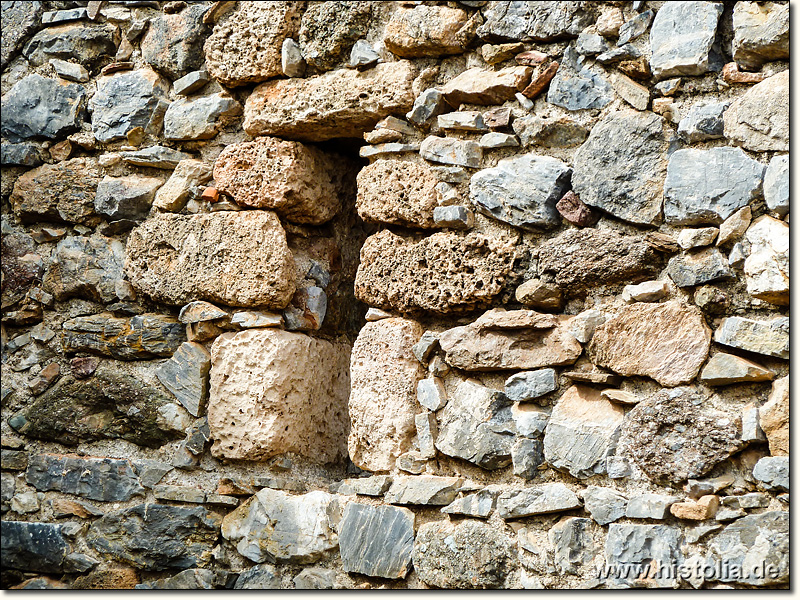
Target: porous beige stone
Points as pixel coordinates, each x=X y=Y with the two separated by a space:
x=274 y=392
x=397 y=192
x=774 y=418
x=426 y=30
x=383 y=393
x=485 y=86
x=245 y=46
x=668 y=342
x=340 y=103
x=759 y=119
x=445 y=272
x=234 y=258
x=700 y=510
x=301 y=183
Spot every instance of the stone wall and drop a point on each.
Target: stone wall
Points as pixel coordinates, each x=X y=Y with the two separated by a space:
x=395 y=294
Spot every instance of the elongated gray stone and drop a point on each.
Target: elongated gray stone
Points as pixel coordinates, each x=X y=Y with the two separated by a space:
x=703 y=122
x=376 y=485
x=762 y=337
x=186 y=376
x=548 y=498
x=681 y=38
x=776 y=184
x=650 y=506
x=104 y=479
x=529 y=385
x=429 y=490
x=450 y=151
x=480 y=504
x=376 y=541
x=538 y=21
x=126 y=197
x=158 y=157
x=199 y=118
x=577 y=87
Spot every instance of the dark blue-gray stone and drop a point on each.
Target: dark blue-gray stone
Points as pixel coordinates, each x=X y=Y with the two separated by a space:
x=576 y=87
x=703 y=122
x=38 y=106
x=105 y=479
x=23 y=154
x=641 y=545
x=376 y=540
x=697 y=268
x=39 y=547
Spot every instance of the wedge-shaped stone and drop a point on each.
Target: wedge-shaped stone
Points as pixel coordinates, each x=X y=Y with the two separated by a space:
x=234 y=258
x=724 y=369
x=376 y=540
x=762 y=337
x=104 y=479
x=539 y=500
x=273 y=392
x=398 y=192
x=484 y=86
x=761 y=33
x=759 y=119
x=278 y=527
x=299 y=182
x=383 y=395
x=186 y=376
x=582 y=430
x=774 y=418
x=668 y=342
x=340 y=103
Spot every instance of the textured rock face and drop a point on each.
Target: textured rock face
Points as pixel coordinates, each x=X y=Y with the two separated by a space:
x=469 y=555
x=576 y=87
x=446 y=272
x=299 y=182
x=60 y=192
x=774 y=418
x=672 y=437
x=681 y=38
x=86 y=267
x=277 y=527
x=481 y=86
x=540 y=500
x=19 y=20
x=383 y=394
x=762 y=337
x=654 y=545
x=173 y=43
x=328 y=30
x=588 y=257
x=103 y=479
x=142 y=336
x=346 y=103
x=776 y=184
x=620 y=168
x=41 y=107
x=89 y=44
x=376 y=540
x=262 y=402
x=667 y=342
x=761 y=33
x=245 y=46
x=199 y=118
x=767 y=266
x=38 y=546
x=186 y=376
x=582 y=431
x=533 y=21
x=428 y=31
x=239 y=259
x=759 y=119
x=398 y=192
x=125 y=197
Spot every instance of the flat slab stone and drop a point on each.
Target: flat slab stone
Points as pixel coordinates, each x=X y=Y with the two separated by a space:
x=544 y=499
x=698 y=268
x=256 y=268
x=606 y=505
x=33 y=546
x=724 y=369
x=540 y=21
x=681 y=38
x=762 y=337
x=104 y=479
x=376 y=541
x=142 y=336
x=200 y=117
x=451 y=151
x=485 y=86
x=186 y=376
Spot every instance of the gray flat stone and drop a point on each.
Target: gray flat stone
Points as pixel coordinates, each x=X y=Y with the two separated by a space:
x=604 y=504
x=578 y=88
x=772 y=472
x=191 y=82
x=158 y=157
x=703 y=122
x=762 y=337
x=33 y=546
x=698 y=268
x=480 y=504
x=529 y=385
x=450 y=151
x=573 y=546
x=776 y=184
x=104 y=479
x=126 y=100
x=547 y=498
x=126 y=197
x=260 y=577
x=681 y=38
x=376 y=541
x=376 y=485
x=40 y=107
x=532 y=21
x=199 y=118
x=186 y=376
x=427 y=490
x=650 y=506
x=642 y=545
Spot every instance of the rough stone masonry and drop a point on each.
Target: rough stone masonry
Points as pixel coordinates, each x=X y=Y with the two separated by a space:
x=377 y=295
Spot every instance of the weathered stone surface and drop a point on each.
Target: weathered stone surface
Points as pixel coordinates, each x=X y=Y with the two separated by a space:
x=776 y=184
x=315 y=578
x=701 y=509
x=299 y=182
x=708 y=186
x=428 y=490
x=759 y=119
x=87 y=43
x=263 y=403
x=32 y=546
x=187 y=176
x=582 y=258
x=495 y=139
x=431 y=394
x=482 y=86
x=376 y=540
x=383 y=398
x=277 y=527
x=60 y=192
x=345 y=102
x=450 y=151
x=533 y=21
x=620 y=167
x=604 y=504
x=762 y=337
x=467 y=555
x=698 y=268
x=429 y=31
x=252 y=319
x=761 y=33
x=199 y=118
x=190 y=83
x=522 y=191
x=454 y=217
x=70 y=71
x=25 y=154
x=696 y=238
x=113 y=404
x=573 y=547
x=141 y=336
x=476 y=348
x=427 y=105
x=761 y=540
x=20 y=19
x=445 y=272
x=476 y=425
x=397 y=192
x=724 y=369
x=479 y=504
x=375 y=485
x=40 y=107
x=172 y=43
x=137 y=535
x=544 y=499
x=256 y=268
x=766 y=268
x=127 y=197
x=158 y=157
x=88 y=267
x=103 y=479
x=672 y=437
x=245 y=46
x=668 y=342
x=539 y=294
x=328 y=31
x=260 y=577
x=126 y=100
x=772 y=473
x=774 y=417
x=185 y=375
x=190 y=579
x=703 y=122
x=650 y=506
x=577 y=87
x=681 y=38
x=644 y=545
x=529 y=385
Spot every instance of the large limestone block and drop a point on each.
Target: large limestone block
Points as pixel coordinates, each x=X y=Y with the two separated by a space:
x=429 y=31
x=534 y=21
x=329 y=29
x=234 y=258
x=445 y=272
x=767 y=266
x=761 y=33
x=774 y=418
x=681 y=38
x=383 y=394
x=245 y=46
x=397 y=192
x=340 y=103
x=299 y=182
x=759 y=119
x=274 y=391
x=668 y=342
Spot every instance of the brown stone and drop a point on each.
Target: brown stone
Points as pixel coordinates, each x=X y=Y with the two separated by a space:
x=732 y=74
x=774 y=418
x=383 y=395
x=636 y=69
x=397 y=192
x=539 y=294
x=210 y=195
x=540 y=80
x=108 y=578
x=274 y=391
x=301 y=183
x=427 y=30
x=65 y=507
x=483 y=86
x=445 y=272
x=83 y=366
x=500 y=318
x=668 y=342
x=234 y=258
x=704 y=508
x=576 y=212
x=530 y=57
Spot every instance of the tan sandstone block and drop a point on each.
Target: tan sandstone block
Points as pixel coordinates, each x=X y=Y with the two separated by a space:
x=704 y=508
x=274 y=392
x=774 y=417
x=397 y=192
x=759 y=119
x=383 y=394
x=429 y=31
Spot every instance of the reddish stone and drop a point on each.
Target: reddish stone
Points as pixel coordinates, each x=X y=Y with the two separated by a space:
x=635 y=69
x=575 y=211
x=210 y=194
x=531 y=57
x=116 y=66
x=540 y=80
x=497 y=118
x=83 y=367
x=732 y=74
